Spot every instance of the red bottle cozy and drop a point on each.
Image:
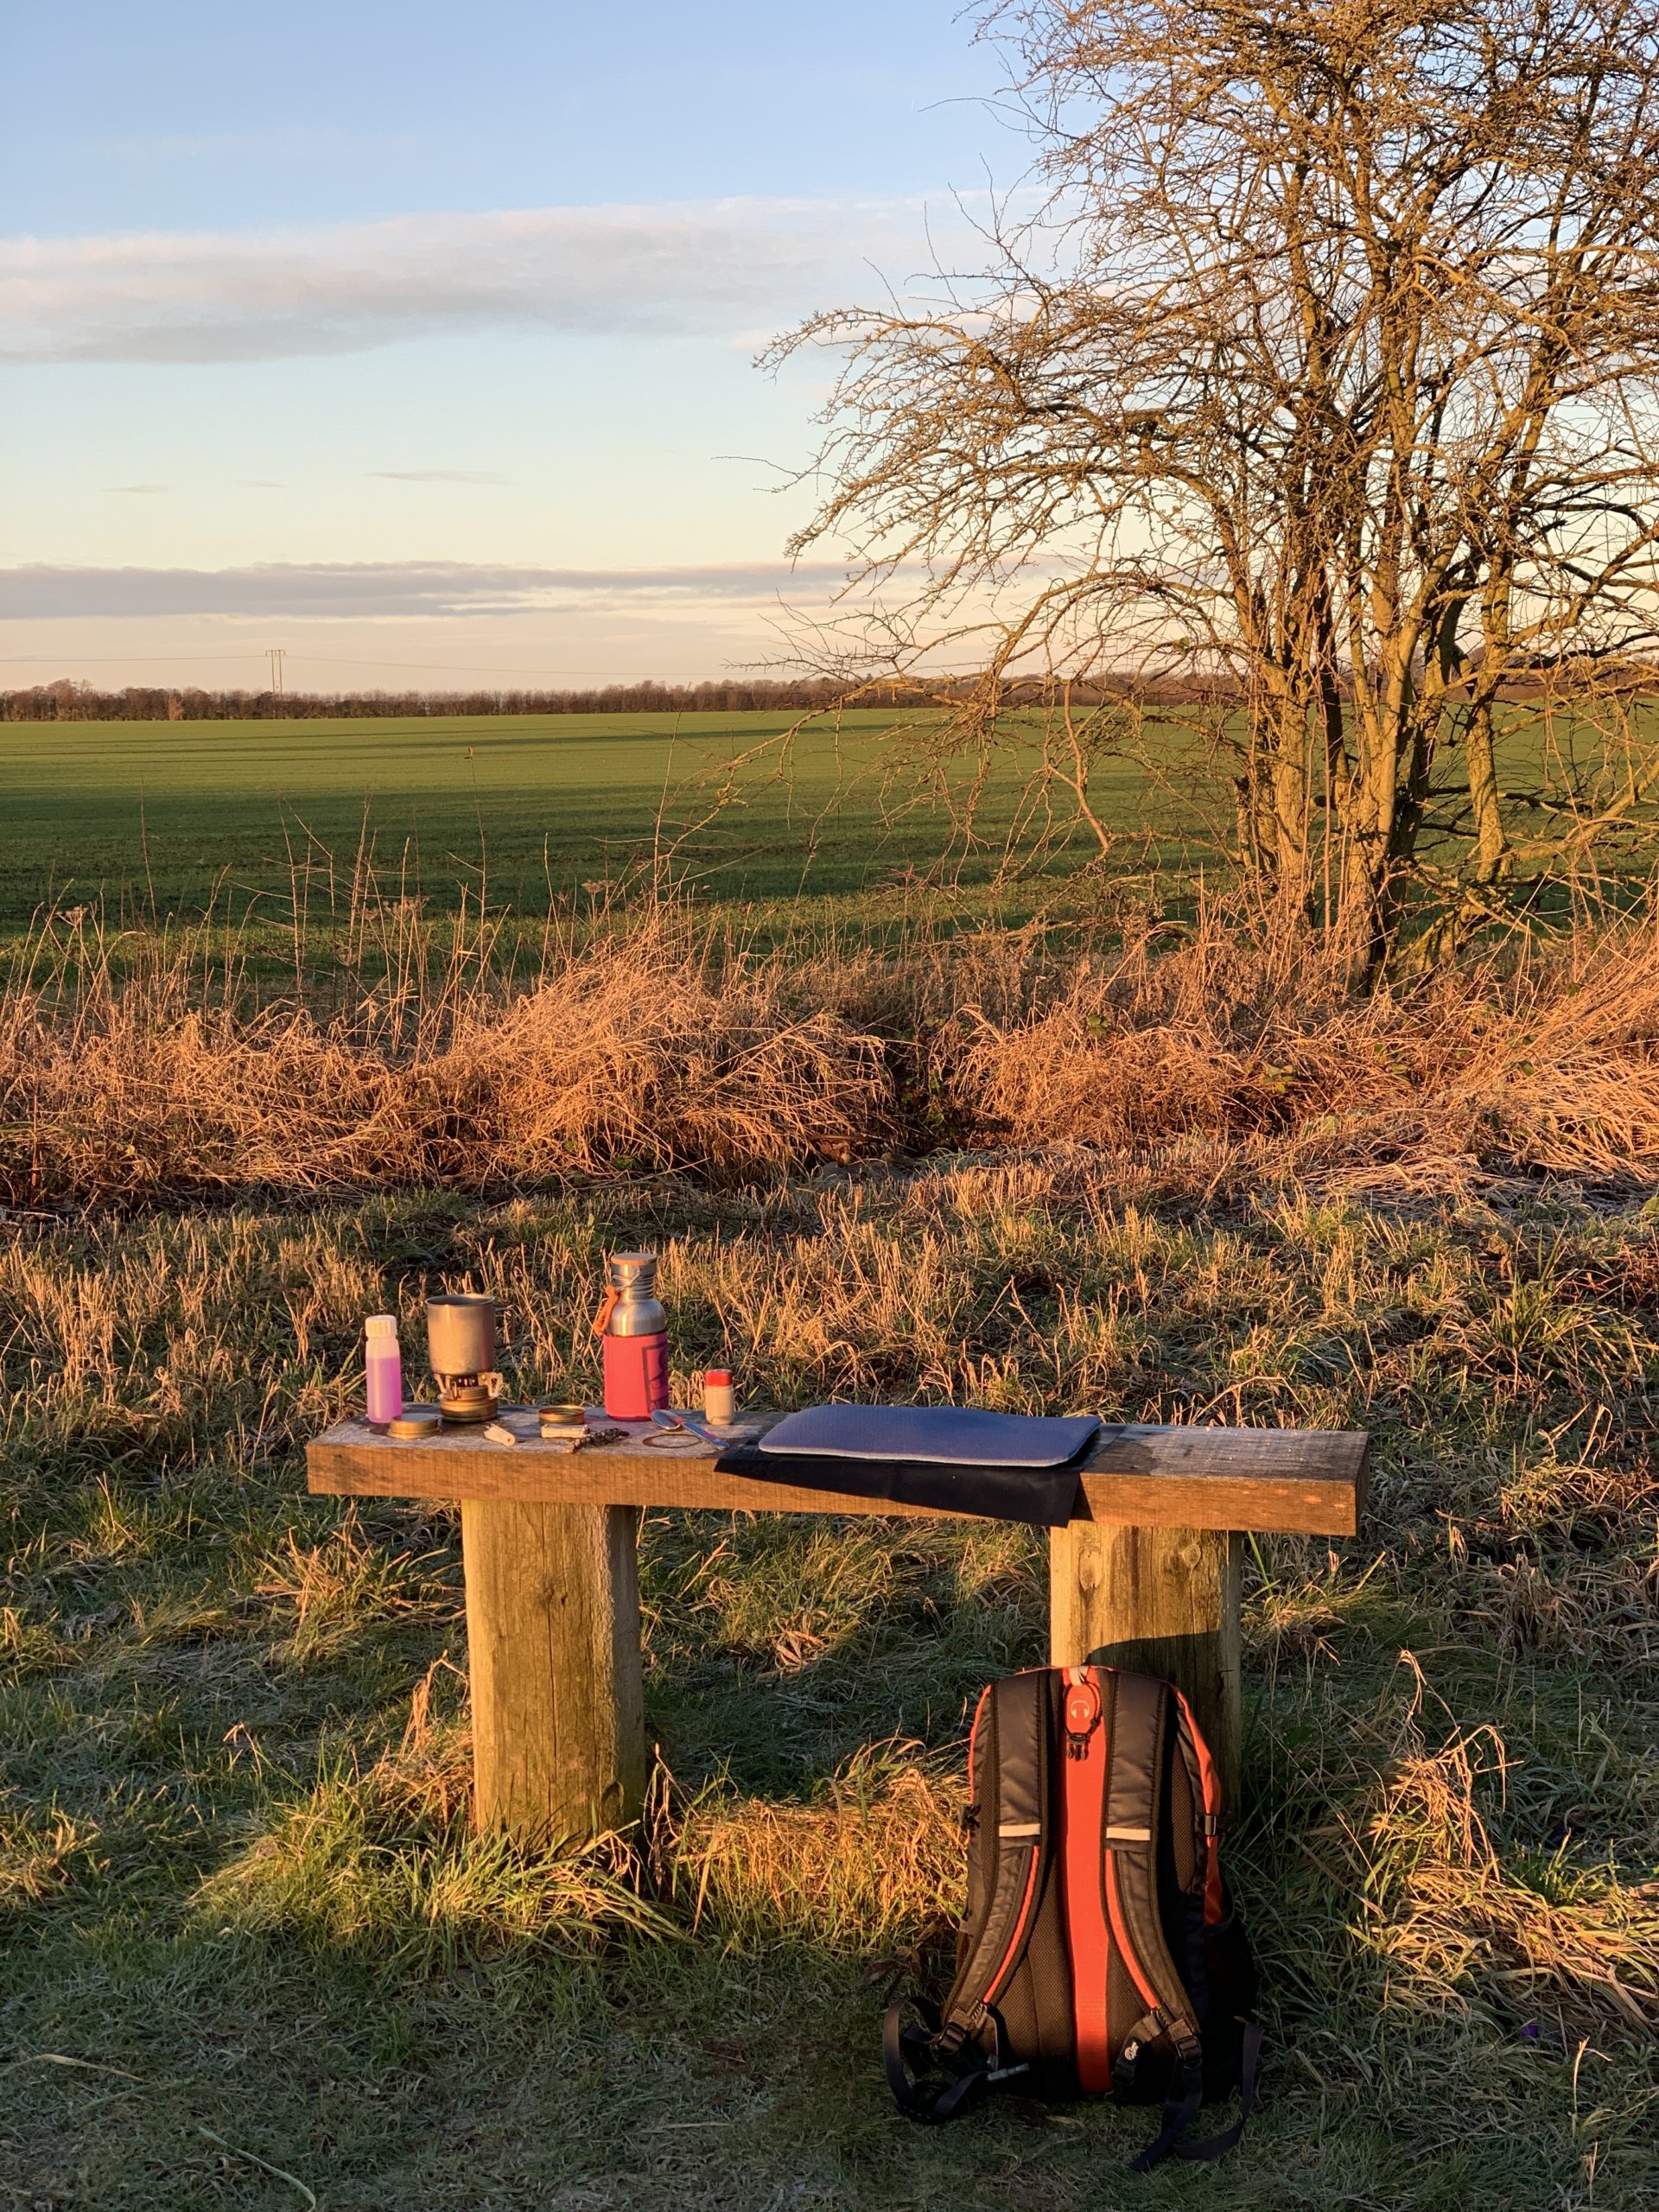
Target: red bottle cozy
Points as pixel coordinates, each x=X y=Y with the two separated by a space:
x=636 y=1375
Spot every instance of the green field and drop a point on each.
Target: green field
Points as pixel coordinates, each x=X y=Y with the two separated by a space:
x=160 y=819
x=175 y=815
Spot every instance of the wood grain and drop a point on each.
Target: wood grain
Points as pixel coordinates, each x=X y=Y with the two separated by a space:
x=1306 y=1481
x=553 y=1655
x=1157 y=1601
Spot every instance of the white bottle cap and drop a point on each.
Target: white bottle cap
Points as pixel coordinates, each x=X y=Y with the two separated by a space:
x=380 y=1324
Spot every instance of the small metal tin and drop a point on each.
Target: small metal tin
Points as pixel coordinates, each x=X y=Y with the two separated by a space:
x=557 y=1417
x=416 y=1421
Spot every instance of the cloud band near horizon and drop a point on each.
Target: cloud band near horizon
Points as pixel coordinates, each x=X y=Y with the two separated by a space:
x=354 y=591
x=671 y=269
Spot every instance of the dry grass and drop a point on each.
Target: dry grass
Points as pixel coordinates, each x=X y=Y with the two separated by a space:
x=873 y=1865
x=143 y=1067
x=1550 y=1065
x=1541 y=1938
x=631 y=1053
x=234 y=1855
x=382 y=1864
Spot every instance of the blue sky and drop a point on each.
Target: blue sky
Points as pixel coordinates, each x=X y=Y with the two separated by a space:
x=418 y=338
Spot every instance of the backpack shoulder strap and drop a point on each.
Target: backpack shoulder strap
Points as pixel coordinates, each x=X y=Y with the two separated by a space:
x=1216 y=2146
x=1206 y=1789
x=1141 y=1709
x=1014 y=1830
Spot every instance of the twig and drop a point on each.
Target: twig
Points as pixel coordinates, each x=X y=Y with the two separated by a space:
x=92 y=2066
x=86 y=2066
x=264 y=2164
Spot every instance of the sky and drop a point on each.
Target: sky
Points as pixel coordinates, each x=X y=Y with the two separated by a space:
x=418 y=340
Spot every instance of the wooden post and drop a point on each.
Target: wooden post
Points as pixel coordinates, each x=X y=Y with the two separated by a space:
x=1156 y=1601
x=553 y=1641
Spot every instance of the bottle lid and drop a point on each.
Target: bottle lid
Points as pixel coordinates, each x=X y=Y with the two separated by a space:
x=380 y=1324
x=717 y=1375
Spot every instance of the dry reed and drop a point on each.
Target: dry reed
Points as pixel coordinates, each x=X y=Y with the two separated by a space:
x=140 y=1068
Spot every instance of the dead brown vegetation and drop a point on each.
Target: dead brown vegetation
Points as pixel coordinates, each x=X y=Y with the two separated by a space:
x=1199 y=1051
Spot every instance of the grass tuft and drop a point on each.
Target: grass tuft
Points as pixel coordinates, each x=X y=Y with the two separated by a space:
x=382 y=1866
x=871 y=1866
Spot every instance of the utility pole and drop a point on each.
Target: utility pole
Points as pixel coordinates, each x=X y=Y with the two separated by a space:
x=274 y=655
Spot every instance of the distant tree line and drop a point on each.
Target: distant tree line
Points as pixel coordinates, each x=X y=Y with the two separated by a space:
x=66 y=701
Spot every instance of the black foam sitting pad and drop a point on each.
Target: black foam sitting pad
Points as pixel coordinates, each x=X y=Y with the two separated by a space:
x=1043 y=1497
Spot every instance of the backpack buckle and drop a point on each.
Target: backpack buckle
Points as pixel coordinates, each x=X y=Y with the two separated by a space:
x=960 y=2031
x=1082 y=1716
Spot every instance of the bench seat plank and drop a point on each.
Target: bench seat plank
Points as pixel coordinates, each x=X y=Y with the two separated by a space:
x=1309 y=1482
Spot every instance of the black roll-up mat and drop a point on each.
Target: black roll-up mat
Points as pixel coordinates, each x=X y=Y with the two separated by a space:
x=1043 y=1497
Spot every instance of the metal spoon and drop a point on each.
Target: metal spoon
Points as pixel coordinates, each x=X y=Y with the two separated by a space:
x=664 y=1418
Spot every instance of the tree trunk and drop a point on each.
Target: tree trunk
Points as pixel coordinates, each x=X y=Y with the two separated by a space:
x=1491 y=845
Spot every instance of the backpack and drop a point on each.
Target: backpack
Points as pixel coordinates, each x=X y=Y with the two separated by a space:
x=1099 y=1954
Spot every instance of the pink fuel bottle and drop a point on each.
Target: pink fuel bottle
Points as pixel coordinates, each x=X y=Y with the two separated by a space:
x=634 y=1328
x=384 y=1366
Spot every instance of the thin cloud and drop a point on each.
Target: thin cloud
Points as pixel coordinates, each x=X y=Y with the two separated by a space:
x=282 y=140
x=393 y=590
x=437 y=475
x=665 y=269
x=137 y=487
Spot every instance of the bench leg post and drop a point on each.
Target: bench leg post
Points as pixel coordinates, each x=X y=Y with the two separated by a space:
x=1155 y=1601
x=553 y=1645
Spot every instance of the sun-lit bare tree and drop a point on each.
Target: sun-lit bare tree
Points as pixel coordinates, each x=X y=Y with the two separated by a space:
x=1324 y=381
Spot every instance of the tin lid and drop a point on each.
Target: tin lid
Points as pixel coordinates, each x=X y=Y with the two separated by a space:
x=563 y=1416
x=416 y=1421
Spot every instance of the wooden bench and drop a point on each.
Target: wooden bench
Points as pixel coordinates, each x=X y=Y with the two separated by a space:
x=1147 y=1576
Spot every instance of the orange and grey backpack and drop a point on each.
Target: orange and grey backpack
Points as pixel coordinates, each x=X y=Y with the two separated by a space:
x=1099 y=1954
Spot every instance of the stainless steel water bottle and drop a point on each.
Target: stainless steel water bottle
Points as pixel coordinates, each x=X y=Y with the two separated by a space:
x=635 y=1329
